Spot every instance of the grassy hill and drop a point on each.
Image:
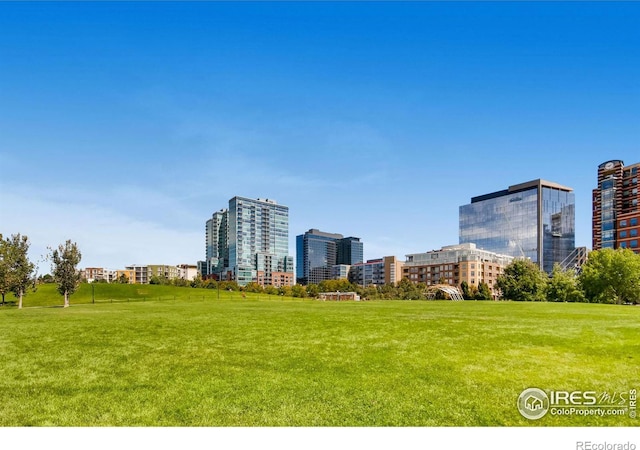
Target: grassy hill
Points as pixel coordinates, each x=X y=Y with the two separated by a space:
x=267 y=362
x=47 y=295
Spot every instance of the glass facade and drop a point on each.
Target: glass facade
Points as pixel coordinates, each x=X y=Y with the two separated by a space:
x=537 y=222
x=558 y=226
x=217 y=251
x=608 y=212
x=506 y=224
x=350 y=251
x=253 y=236
x=316 y=253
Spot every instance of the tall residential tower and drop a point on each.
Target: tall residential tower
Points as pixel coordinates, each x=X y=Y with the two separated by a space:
x=616 y=214
x=249 y=242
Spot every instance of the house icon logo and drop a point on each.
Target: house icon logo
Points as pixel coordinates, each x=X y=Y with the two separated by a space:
x=533 y=403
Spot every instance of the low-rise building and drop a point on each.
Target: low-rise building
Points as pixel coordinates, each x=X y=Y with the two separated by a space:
x=187 y=271
x=455 y=264
x=376 y=272
x=338 y=296
x=130 y=275
x=91 y=274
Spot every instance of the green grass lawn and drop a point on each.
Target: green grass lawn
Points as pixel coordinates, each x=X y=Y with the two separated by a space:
x=200 y=361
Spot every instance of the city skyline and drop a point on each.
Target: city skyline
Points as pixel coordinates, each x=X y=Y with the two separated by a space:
x=124 y=126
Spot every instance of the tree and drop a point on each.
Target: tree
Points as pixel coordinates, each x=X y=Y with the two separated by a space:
x=123 y=279
x=21 y=269
x=313 y=290
x=484 y=293
x=298 y=291
x=522 y=280
x=65 y=260
x=5 y=272
x=285 y=291
x=197 y=281
x=611 y=276
x=464 y=288
x=46 y=279
x=563 y=286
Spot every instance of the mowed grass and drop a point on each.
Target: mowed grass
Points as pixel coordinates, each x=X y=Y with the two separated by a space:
x=47 y=294
x=273 y=362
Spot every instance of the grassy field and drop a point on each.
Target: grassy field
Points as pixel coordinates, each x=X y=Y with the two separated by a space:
x=199 y=361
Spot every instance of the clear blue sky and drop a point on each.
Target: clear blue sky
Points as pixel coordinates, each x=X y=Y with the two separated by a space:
x=123 y=126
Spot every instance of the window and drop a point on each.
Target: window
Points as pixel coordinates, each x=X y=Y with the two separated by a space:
x=623 y=223
x=623 y=234
x=634 y=232
x=634 y=243
x=634 y=221
x=623 y=245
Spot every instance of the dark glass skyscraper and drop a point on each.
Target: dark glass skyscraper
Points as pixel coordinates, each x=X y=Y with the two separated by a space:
x=350 y=251
x=534 y=220
x=317 y=252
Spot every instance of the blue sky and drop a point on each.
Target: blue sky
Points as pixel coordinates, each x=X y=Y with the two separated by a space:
x=124 y=126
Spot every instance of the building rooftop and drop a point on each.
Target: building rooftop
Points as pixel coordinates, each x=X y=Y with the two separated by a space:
x=539 y=183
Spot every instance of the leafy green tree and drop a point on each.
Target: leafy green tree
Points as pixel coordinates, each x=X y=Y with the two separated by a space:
x=197 y=281
x=5 y=268
x=285 y=291
x=522 y=280
x=271 y=290
x=210 y=283
x=341 y=285
x=563 y=286
x=370 y=293
x=16 y=271
x=611 y=276
x=253 y=287
x=484 y=293
x=47 y=278
x=123 y=279
x=313 y=290
x=298 y=291
x=464 y=288
x=65 y=260
x=21 y=268
x=409 y=291
x=159 y=280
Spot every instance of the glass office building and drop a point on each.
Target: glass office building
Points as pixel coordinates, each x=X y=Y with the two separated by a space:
x=317 y=252
x=534 y=220
x=350 y=251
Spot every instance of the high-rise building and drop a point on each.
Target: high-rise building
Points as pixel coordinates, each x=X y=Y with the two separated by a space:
x=616 y=214
x=317 y=252
x=534 y=220
x=350 y=251
x=249 y=242
x=216 y=237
